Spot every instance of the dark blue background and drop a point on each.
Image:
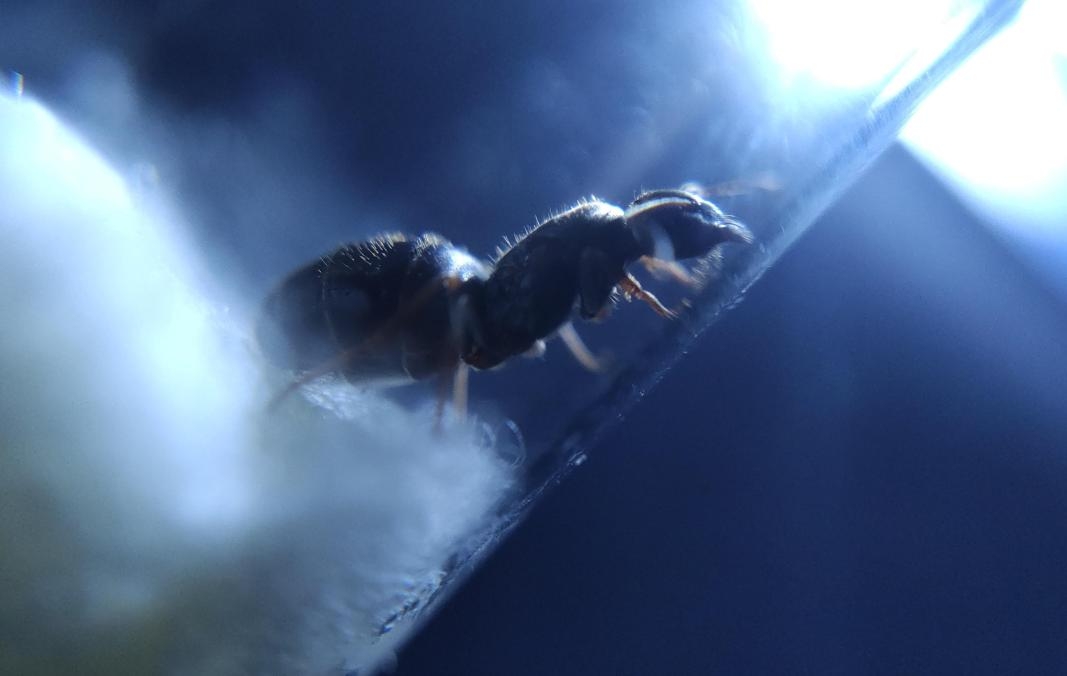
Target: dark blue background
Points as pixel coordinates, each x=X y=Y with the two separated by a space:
x=859 y=470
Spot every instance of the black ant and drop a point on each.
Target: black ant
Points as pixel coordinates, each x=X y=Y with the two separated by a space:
x=399 y=308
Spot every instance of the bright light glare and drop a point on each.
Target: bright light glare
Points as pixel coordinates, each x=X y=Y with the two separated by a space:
x=996 y=127
x=845 y=43
x=995 y=132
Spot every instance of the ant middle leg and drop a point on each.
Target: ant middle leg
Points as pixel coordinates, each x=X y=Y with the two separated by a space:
x=578 y=349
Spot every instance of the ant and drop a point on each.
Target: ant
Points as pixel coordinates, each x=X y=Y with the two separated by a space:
x=399 y=309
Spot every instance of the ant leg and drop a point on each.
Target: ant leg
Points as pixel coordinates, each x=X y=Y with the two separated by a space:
x=631 y=288
x=766 y=181
x=578 y=349
x=331 y=365
x=460 y=386
x=672 y=270
x=444 y=380
x=457 y=376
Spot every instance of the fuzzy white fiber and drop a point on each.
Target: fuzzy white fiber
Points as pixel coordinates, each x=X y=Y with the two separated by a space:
x=153 y=517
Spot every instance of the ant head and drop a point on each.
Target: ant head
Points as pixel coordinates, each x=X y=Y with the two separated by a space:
x=466 y=303
x=675 y=225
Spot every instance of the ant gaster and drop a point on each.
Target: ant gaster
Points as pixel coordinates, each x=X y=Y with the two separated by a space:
x=399 y=308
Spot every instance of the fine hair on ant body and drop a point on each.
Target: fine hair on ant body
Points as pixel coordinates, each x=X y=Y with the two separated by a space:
x=398 y=308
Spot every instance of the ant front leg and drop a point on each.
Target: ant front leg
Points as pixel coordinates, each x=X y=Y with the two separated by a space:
x=672 y=270
x=631 y=288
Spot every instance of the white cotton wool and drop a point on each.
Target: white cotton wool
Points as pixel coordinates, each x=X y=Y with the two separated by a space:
x=155 y=518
